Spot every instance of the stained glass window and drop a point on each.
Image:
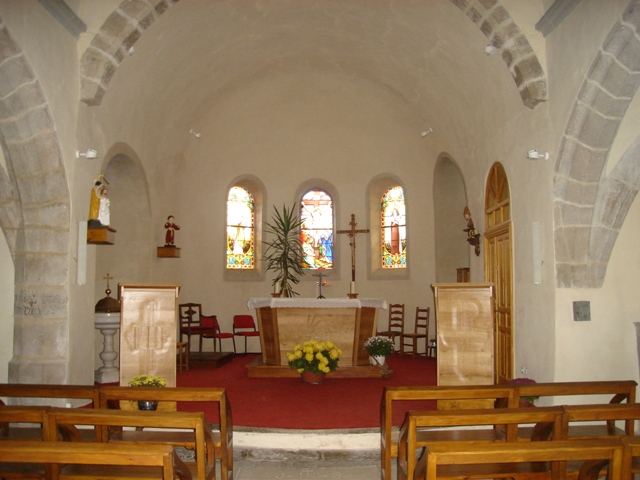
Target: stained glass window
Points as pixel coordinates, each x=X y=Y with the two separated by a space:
x=316 y=233
x=394 y=229
x=240 y=229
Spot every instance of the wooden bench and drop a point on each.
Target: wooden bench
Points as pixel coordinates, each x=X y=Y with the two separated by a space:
x=447 y=398
x=79 y=460
x=613 y=392
x=520 y=460
x=19 y=422
x=223 y=439
x=424 y=428
x=189 y=430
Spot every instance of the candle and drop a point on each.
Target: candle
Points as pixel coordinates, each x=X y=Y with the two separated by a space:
x=276 y=288
x=352 y=288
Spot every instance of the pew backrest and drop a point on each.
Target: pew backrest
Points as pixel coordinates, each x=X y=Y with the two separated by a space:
x=110 y=397
x=616 y=391
x=73 y=454
x=599 y=420
x=45 y=394
x=518 y=459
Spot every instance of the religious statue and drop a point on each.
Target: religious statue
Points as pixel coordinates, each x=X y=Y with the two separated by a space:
x=99 y=205
x=170 y=235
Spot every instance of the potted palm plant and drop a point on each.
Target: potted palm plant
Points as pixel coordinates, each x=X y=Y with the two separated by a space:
x=283 y=254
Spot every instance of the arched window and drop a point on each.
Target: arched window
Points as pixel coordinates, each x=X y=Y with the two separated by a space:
x=394 y=229
x=240 y=229
x=316 y=233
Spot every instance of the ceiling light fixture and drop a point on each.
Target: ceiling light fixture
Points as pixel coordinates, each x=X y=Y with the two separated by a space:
x=534 y=155
x=90 y=153
x=194 y=133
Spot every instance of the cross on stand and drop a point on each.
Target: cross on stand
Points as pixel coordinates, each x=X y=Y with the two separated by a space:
x=107 y=278
x=352 y=243
x=320 y=274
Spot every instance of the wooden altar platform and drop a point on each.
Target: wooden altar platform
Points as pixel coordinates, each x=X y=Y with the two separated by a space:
x=208 y=360
x=257 y=369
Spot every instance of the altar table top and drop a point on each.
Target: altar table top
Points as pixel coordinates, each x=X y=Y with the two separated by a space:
x=255 y=303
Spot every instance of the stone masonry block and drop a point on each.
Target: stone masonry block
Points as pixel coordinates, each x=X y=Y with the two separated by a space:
x=47 y=240
x=474 y=15
x=617 y=39
x=527 y=69
x=601 y=101
x=36 y=155
x=46 y=269
x=582 y=276
x=32 y=123
x=42 y=189
x=138 y=11
x=620 y=82
x=486 y=27
x=49 y=215
x=563 y=275
x=14 y=72
x=94 y=63
x=42 y=338
x=587 y=163
x=602 y=242
x=24 y=98
x=117 y=27
x=534 y=93
x=48 y=302
x=629 y=55
x=577 y=215
x=560 y=186
x=561 y=247
x=38 y=371
x=8 y=47
x=91 y=92
x=499 y=15
x=462 y=4
x=599 y=68
x=580 y=193
x=131 y=40
x=598 y=131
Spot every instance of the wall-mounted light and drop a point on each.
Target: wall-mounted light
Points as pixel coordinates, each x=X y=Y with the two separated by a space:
x=490 y=50
x=534 y=155
x=424 y=133
x=90 y=153
x=472 y=234
x=194 y=133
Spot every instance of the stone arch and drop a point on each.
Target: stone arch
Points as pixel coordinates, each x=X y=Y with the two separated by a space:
x=121 y=30
x=124 y=27
x=35 y=218
x=496 y=24
x=590 y=206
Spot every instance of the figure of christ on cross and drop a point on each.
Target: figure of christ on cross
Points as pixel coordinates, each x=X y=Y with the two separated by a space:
x=352 y=243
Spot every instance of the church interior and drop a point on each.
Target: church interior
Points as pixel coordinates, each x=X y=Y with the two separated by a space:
x=516 y=117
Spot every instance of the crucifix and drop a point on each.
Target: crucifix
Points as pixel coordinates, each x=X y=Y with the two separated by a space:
x=352 y=243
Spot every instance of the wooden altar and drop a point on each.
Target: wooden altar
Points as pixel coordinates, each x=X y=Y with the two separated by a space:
x=285 y=322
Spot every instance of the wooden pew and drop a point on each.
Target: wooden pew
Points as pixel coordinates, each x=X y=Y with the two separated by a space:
x=191 y=431
x=455 y=396
x=613 y=392
x=424 y=428
x=223 y=439
x=520 y=460
x=78 y=460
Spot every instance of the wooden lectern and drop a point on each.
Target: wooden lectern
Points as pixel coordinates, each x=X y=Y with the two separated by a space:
x=465 y=315
x=148 y=331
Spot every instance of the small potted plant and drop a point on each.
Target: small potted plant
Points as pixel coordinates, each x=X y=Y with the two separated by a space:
x=313 y=360
x=524 y=401
x=145 y=380
x=379 y=348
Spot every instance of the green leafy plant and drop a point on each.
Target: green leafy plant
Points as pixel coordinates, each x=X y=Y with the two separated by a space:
x=283 y=254
x=379 y=346
x=314 y=356
x=147 y=381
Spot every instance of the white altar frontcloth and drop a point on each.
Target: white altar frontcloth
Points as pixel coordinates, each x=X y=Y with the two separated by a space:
x=255 y=303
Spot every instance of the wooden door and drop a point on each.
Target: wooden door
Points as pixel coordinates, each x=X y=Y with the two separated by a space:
x=498 y=267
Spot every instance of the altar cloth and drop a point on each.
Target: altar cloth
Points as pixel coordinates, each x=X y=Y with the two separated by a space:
x=255 y=303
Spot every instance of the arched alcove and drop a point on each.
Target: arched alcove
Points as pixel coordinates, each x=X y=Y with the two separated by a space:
x=449 y=200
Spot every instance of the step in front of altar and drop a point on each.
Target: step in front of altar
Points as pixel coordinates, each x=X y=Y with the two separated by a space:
x=257 y=369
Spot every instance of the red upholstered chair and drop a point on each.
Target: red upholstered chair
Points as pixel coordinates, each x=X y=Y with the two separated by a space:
x=191 y=323
x=244 y=326
x=213 y=320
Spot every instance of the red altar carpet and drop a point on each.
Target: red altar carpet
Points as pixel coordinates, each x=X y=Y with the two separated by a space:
x=288 y=403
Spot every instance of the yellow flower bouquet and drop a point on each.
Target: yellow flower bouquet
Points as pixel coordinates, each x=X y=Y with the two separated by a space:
x=314 y=356
x=147 y=381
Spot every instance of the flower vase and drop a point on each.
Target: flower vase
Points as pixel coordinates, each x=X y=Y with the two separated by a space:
x=312 y=378
x=377 y=360
x=147 y=405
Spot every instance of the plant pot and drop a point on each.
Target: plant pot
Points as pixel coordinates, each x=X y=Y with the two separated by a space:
x=147 y=405
x=312 y=378
x=377 y=360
